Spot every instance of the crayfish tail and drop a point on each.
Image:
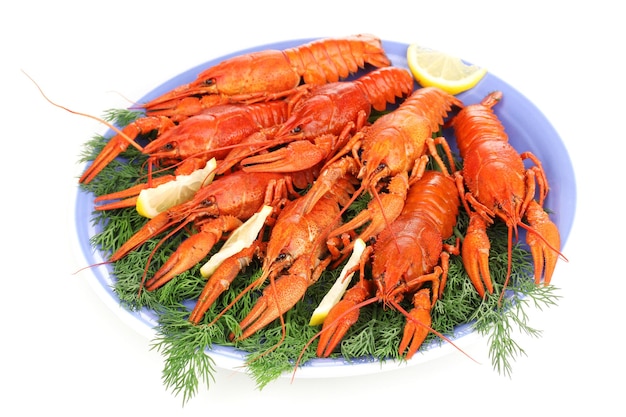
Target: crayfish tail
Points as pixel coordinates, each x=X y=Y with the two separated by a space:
x=332 y=59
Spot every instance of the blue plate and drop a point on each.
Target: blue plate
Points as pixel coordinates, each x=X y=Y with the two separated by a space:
x=528 y=130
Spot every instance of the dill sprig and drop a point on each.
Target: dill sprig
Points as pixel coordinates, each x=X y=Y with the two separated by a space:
x=183 y=346
x=274 y=350
x=122 y=117
x=500 y=323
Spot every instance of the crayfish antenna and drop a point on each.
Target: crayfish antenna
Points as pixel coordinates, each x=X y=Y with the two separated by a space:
x=109 y=125
x=91 y=266
x=509 y=262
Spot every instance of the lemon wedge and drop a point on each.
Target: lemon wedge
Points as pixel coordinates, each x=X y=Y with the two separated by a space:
x=333 y=296
x=153 y=201
x=436 y=69
x=239 y=239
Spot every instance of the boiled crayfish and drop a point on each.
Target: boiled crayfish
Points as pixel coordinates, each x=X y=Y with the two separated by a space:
x=499 y=186
x=271 y=74
x=409 y=259
x=191 y=142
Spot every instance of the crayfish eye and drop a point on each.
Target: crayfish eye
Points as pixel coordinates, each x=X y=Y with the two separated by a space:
x=208 y=202
x=169 y=146
x=296 y=129
x=209 y=82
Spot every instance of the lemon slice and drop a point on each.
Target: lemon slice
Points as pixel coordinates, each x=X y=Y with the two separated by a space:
x=240 y=238
x=333 y=296
x=153 y=201
x=435 y=69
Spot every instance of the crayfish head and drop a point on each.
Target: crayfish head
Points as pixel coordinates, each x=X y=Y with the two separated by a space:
x=202 y=207
x=256 y=72
x=372 y=174
x=163 y=149
x=273 y=267
x=385 y=157
x=310 y=120
x=509 y=210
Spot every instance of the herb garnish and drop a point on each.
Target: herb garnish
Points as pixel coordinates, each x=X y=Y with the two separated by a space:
x=376 y=335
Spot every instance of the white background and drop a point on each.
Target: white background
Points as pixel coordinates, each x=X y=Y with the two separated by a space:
x=64 y=350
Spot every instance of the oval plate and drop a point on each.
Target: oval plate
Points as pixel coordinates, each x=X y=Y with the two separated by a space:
x=528 y=130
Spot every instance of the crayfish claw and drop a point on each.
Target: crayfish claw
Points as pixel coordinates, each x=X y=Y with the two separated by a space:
x=341 y=317
x=418 y=324
x=475 y=254
x=152 y=228
x=221 y=279
x=544 y=241
x=120 y=142
x=296 y=156
x=128 y=197
x=111 y=150
x=278 y=297
x=337 y=323
x=188 y=254
x=193 y=250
